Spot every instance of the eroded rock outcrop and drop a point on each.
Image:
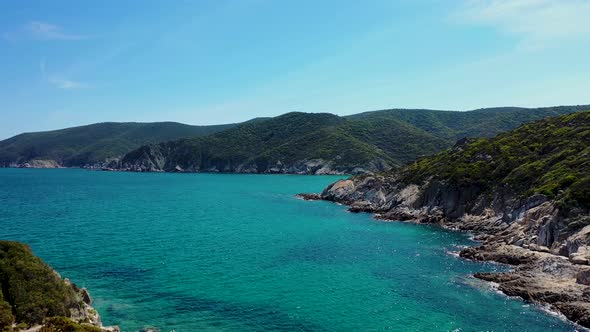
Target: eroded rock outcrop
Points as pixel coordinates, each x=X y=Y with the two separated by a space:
x=85 y=313
x=39 y=163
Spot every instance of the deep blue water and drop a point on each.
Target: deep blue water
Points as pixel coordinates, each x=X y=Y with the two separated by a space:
x=221 y=252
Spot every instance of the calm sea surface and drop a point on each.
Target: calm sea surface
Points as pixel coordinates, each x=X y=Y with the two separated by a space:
x=218 y=252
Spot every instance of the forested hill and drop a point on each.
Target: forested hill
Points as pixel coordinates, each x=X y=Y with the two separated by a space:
x=291 y=143
x=484 y=122
x=307 y=143
x=96 y=143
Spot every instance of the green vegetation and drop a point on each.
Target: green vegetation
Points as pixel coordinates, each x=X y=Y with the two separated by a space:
x=486 y=122
x=31 y=291
x=90 y=144
x=288 y=138
x=6 y=316
x=393 y=137
x=549 y=157
x=63 y=324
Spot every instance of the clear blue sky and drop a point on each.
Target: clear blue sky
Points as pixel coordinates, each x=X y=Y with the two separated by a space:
x=66 y=63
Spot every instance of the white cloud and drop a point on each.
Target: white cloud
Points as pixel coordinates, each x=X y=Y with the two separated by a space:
x=539 y=23
x=66 y=84
x=59 y=81
x=50 y=31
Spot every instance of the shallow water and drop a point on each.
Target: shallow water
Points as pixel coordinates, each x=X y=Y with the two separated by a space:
x=223 y=252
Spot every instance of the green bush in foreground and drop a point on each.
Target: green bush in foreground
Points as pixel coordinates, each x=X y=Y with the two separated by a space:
x=6 y=317
x=31 y=290
x=63 y=324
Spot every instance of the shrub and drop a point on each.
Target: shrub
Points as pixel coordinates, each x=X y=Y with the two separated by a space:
x=63 y=324
x=6 y=317
x=31 y=287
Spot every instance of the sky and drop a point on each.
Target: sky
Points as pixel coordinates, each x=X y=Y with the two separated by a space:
x=68 y=63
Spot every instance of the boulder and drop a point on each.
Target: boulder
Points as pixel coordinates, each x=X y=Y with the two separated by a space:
x=583 y=277
x=578 y=259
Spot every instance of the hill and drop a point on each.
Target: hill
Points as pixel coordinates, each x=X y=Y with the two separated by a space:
x=32 y=294
x=295 y=141
x=306 y=143
x=484 y=122
x=92 y=144
x=549 y=157
x=524 y=193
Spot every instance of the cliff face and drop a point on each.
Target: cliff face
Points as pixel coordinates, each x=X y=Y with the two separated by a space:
x=524 y=194
x=168 y=158
x=306 y=166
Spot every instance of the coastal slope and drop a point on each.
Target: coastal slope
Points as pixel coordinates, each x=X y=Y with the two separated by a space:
x=308 y=143
x=524 y=193
x=301 y=143
x=91 y=145
x=34 y=296
x=291 y=143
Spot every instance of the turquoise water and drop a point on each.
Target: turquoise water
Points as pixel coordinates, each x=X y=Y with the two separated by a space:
x=218 y=252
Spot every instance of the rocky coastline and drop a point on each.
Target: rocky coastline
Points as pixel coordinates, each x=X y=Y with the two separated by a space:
x=548 y=249
x=301 y=167
x=35 y=163
x=86 y=314
x=152 y=159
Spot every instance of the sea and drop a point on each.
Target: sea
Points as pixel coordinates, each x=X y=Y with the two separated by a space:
x=237 y=252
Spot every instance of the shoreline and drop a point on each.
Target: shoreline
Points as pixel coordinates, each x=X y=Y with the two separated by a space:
x=178 y=172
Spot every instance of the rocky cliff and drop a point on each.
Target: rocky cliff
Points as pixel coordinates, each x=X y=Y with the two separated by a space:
x=163 y=158
x=524 y=194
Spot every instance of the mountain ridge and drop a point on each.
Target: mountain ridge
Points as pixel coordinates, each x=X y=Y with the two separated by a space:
x=94 y=143
x=368 y=141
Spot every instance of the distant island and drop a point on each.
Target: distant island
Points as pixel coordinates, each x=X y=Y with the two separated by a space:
x=525 y=194
x=34 y=297
x=294 y=143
